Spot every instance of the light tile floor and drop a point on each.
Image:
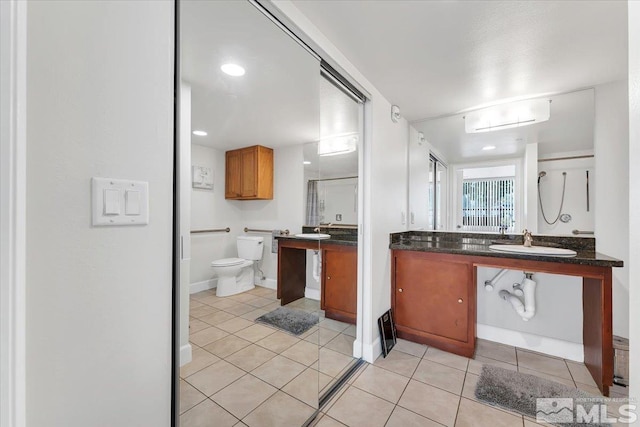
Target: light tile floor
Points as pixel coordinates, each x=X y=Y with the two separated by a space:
x=418 y=385
x=244 y=373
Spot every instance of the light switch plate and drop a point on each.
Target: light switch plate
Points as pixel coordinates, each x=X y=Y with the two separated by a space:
x=133 y=202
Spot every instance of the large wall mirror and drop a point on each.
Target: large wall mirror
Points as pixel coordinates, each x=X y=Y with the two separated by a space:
x=538 y=176
x=331 y=176
x=259 y=353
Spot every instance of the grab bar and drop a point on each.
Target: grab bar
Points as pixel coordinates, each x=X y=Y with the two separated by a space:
x=582 y=232
x=253 y=230
x=211 y=230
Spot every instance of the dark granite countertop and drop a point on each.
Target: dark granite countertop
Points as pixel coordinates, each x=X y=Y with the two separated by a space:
x=477 y=244
x=339 y=236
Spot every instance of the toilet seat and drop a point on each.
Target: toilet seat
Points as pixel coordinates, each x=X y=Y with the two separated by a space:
x=227 y=262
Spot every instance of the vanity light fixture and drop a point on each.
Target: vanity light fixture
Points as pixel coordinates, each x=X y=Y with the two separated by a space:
x=488 y=147
x=338 y=144
x=199 y=133
x=510 y=115
x=233 y=70
x=306 y=162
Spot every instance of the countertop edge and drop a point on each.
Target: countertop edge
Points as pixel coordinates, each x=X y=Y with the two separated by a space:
x=332 y=241
x=492 y=254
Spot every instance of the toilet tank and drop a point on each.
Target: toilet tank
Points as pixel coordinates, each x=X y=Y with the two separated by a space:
x=250 y=247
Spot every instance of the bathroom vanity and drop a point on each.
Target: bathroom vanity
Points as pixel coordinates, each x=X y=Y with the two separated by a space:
x=339 y=255
x=434 y=283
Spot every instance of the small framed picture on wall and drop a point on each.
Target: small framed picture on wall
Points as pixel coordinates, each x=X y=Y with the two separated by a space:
x=202 y=177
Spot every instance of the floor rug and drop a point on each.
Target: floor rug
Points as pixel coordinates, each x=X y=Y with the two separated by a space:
x=559 y=405
x=291 y=320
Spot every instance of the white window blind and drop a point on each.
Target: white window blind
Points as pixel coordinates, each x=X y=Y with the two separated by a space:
x=488 y=204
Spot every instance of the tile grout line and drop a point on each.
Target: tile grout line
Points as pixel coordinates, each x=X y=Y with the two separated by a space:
x=570 y=374
x=455 y=419
x=397 y=404
x=228 y=385
x=208 y=398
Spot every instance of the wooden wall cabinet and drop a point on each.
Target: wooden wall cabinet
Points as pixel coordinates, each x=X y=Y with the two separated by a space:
x=433 y=300
x=339 y=295
x=249 y=173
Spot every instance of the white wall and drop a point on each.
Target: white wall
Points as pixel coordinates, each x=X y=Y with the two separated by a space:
x=558 y=313
x=339 y=197
x=575 y=197
x=611 y=147
x=418 y=181
x=388 y=195
x=13 y=107
x=209 y=209
x=100 y=97
x=634 y=195
x=530 y=200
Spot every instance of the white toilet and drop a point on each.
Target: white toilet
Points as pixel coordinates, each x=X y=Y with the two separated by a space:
x=236 y=275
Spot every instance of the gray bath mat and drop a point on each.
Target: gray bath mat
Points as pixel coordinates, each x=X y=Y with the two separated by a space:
x=519 y=393
x=293 y=321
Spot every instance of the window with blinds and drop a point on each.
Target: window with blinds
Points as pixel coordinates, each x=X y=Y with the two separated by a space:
x=488 y=204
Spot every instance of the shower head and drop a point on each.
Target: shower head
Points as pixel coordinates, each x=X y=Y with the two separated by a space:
x=540 y=175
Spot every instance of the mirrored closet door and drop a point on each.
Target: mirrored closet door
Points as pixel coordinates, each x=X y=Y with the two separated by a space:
x=333 y=207
x=250 y=104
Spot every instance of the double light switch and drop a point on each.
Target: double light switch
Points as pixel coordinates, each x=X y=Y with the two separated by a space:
x=119 y=202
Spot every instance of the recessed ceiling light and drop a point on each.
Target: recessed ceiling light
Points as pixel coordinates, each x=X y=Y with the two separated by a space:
x=306 y=162
x=232 y=69
x=199 y=133
x=489 y=147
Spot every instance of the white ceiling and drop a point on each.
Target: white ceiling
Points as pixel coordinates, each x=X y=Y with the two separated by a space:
x=569 y=129
x=275 y=103
x=440 y=57
x=281 y=100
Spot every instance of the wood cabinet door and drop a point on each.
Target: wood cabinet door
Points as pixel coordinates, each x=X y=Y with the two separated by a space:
x=265 y=173
x=249 y=172
x=433 y=296
x=233 y=175
x=340 y=282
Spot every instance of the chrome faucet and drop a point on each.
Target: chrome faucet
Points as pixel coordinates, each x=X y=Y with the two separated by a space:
x=317 y=229
x=528 y=238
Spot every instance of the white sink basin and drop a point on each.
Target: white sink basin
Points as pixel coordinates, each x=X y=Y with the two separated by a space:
x=533 y=250
x=314 y=236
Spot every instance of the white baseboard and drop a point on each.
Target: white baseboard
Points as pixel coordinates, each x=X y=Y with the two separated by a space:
x=555 y=347
x=203 y=286
x=357 y=348
x=370 y=352
x=269 y=284
x=185 y=354
x=312 y=293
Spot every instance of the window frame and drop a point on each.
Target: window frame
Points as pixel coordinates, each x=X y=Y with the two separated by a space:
x=456 y=177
